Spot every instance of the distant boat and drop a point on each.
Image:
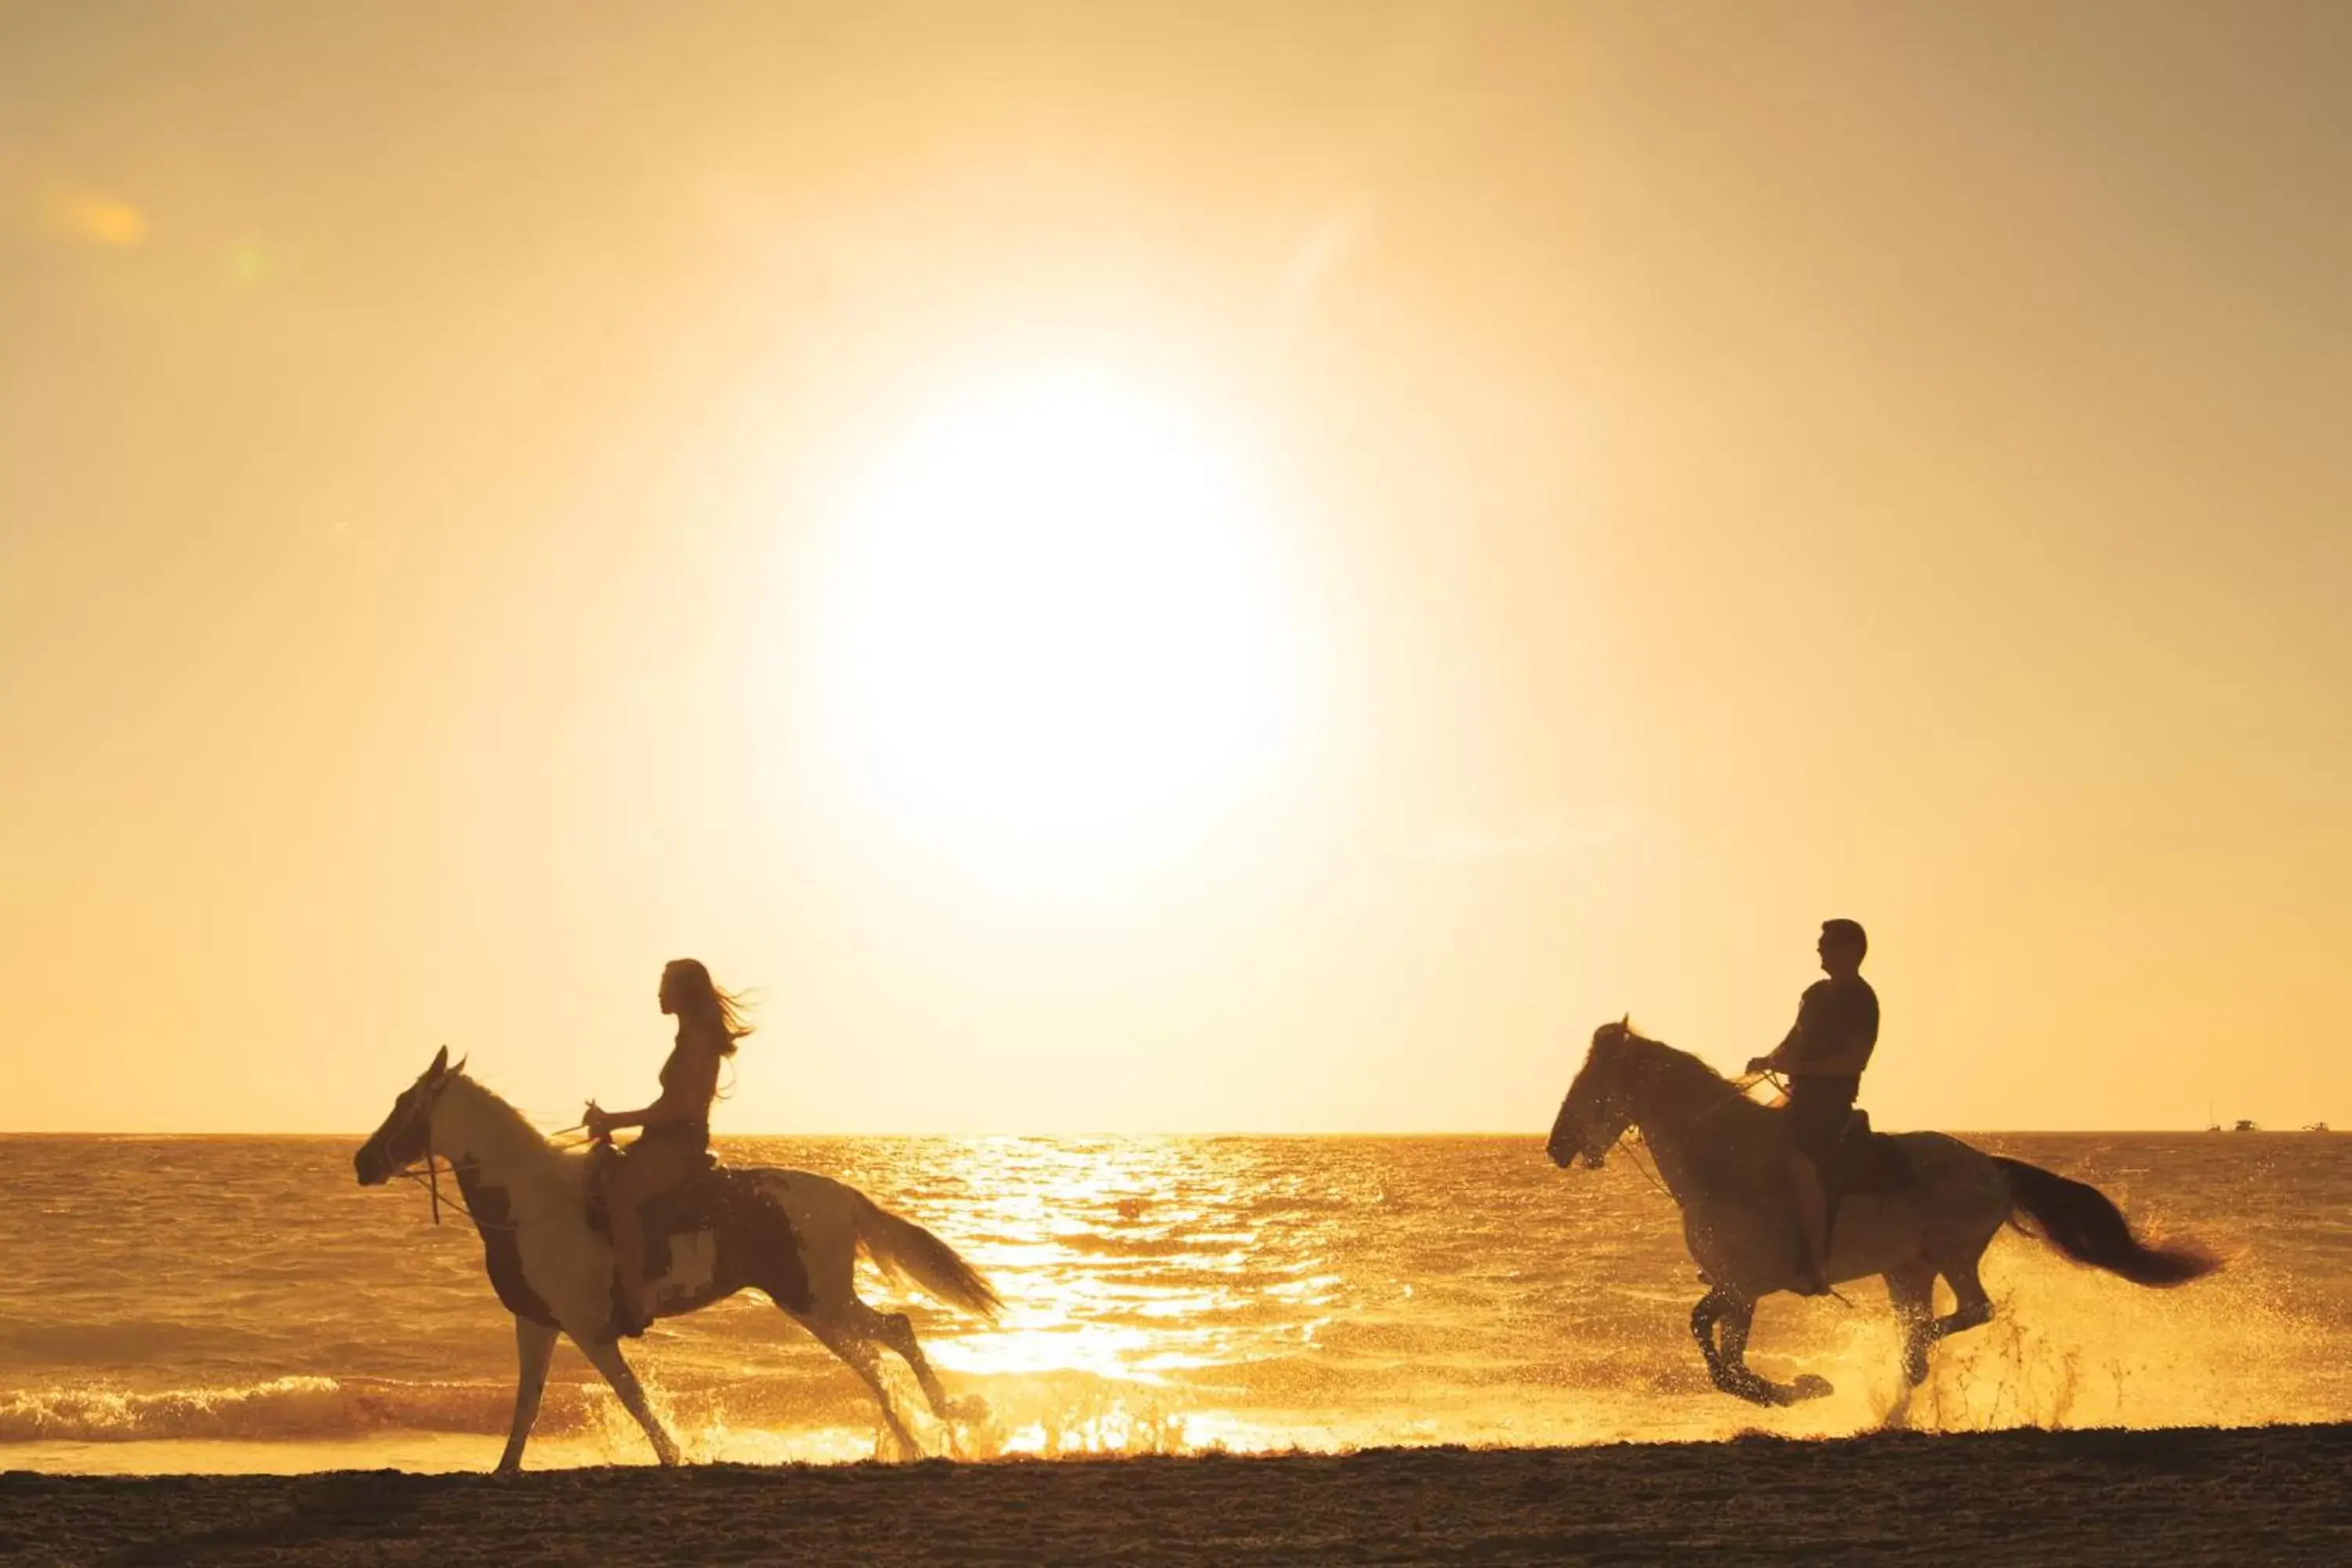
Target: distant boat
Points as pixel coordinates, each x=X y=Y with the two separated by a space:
x=2245 y=1126
x=2316 y=1127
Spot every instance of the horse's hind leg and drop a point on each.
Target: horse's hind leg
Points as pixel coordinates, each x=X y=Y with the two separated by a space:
x=534 y=1346
x=845 y=1337
x=1971 y=1306
x=897 y=1331
x=606 y=1358
x=1912 y=1289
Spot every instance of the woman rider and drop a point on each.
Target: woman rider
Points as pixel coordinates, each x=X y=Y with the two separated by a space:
x=676 y=1135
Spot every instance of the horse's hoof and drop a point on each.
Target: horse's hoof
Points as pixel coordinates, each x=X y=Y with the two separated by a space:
x=1809 y=1386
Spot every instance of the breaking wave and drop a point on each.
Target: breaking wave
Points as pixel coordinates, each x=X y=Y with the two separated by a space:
x=283 y=1409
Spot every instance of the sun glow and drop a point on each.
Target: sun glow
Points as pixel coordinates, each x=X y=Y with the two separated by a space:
x=1055 y=623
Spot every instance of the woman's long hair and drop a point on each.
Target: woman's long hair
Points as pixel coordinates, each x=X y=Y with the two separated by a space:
x=701 y=1002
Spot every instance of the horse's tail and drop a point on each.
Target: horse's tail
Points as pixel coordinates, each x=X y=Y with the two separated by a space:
x=905 y=1250
x=2081 y=1222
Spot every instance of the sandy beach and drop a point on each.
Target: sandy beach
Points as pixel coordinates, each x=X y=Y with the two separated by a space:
x=2270 y=1495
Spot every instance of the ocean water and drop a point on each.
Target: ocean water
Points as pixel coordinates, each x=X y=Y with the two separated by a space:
x=217 y=1304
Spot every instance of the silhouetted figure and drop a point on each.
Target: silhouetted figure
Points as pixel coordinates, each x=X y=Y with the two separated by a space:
x=1922 y=1207
x=1822 y=1058
x=793 y=1236
x=677 y=1136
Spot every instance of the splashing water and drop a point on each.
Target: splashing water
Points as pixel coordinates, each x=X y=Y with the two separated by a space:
x=240 y=1304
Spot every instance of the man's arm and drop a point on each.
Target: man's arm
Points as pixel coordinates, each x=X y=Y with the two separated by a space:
x=1789 y=1055
x=1830 y=1039
x=1827 y=1041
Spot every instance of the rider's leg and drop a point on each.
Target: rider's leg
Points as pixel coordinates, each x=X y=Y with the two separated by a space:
x=622 y=1197
x=642 y=1170
x=1814 y=1222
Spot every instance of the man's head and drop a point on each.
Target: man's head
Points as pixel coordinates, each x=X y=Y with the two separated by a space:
x=1842 y=946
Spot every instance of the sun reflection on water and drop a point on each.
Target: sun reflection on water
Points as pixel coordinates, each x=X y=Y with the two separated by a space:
x=1184 y=1294
x=1161 y=1295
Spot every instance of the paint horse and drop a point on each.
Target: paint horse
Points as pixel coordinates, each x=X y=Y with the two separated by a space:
x=793 y=1235
x=1722 y=1156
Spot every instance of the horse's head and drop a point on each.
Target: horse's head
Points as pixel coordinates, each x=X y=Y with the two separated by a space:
x=1599 y=1107
x=407 y=1133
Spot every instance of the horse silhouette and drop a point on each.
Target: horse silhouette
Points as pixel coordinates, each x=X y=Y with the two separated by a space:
x=1721 y=1156
x=791 y=1234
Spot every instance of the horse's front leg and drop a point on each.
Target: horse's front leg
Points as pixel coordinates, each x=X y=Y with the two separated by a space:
x=534 y=1346
x=1703 y=1319
x=605 y=1356
x=1721 y=1322
x=1728 y=1314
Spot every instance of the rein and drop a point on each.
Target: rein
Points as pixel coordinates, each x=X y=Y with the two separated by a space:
x=1631 y=1144
x=1632 y=1140
x=430 y=1180
x=1739 y=1087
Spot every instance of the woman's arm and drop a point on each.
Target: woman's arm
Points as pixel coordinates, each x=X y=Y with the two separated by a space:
x=671 y=1108
x=658 y=1113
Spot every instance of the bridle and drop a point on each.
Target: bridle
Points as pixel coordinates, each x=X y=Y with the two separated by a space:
x=429 y=1178
x=1629 y=1138
x=431 y=1181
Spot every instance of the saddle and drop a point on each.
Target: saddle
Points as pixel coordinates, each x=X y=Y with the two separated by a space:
x=1866 y=1162
x=737 y=1211
x=702 y=1202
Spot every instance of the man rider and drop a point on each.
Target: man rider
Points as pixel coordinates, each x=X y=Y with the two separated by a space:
x=1822 y=1058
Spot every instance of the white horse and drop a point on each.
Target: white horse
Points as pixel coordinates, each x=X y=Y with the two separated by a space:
x=790 y=1233
x=1721 y=1157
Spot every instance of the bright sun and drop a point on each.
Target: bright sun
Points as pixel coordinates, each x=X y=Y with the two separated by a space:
x=1056 y=623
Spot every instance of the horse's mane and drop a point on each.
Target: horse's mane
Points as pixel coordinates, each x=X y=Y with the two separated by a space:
x=501 y=1118
x=1681 y=1072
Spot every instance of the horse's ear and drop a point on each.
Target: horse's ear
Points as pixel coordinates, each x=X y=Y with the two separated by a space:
x=440 y=1064
x=461 y=1065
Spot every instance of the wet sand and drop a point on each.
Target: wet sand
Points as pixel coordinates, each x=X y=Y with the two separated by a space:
x=2270 y=1495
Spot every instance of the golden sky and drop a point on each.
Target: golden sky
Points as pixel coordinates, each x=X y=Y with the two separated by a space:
x=1171 y=566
